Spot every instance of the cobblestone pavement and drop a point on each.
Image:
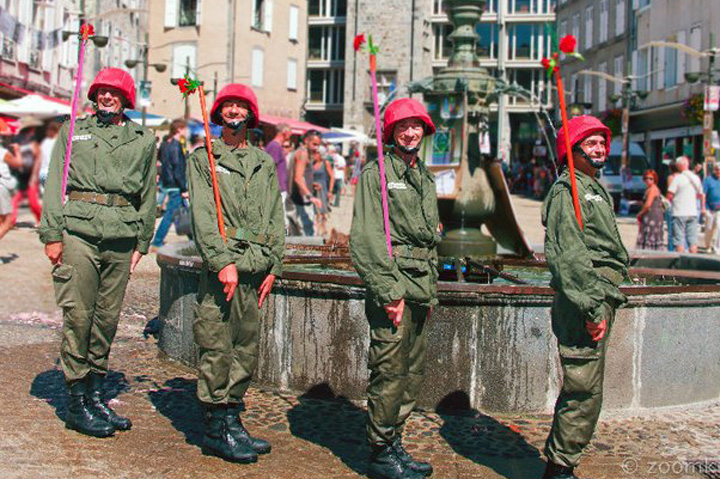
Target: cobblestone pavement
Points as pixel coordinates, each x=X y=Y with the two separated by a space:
x=314 y=435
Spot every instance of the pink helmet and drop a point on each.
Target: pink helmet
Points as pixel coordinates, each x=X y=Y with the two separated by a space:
x=239 y=92
x=117 y=79
x=402 y=109
x=580 y=128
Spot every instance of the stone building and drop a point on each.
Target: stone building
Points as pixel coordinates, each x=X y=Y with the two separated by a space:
x=35 y=56
x=261 y=43
x=413 y=37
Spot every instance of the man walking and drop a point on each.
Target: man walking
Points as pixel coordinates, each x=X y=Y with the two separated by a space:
x=276 y=150
x=172 y=177
x=711 y=189
x=237 y=275
x=684 y=193
x=339 y=166
x=400 y=290
x=301 y=181
x=96 y=239
x=587 y=265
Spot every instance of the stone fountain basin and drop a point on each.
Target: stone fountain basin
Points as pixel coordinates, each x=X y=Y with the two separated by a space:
x=492 y=342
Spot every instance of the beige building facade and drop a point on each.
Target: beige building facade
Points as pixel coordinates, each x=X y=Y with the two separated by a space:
x=261 y=43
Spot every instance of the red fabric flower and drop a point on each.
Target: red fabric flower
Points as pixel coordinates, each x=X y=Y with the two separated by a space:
x=548 y=64
x=359 y=42
x=568 y=44
x=86 y=31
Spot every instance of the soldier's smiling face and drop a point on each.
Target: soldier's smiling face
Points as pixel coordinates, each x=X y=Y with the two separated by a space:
x=596 y=148
x=409 y=132
x=109 y=99
x=234 y=110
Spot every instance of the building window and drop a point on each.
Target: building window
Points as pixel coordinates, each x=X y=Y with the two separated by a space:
x=619 y=72
x=530 y=79
x=693 y=64
x=443 y=45
x=326 y=86
x=258 y=14
x=184 y=59
x=603 y=21
x=576 y=26
x=187 y=13
x=587 y=89
x=589 y=12
x=327 y=8
x=439 y=7
x=294 y=21
x=563 y=29
x=257 y=73
x=670 y=67
x=527 y=42
x=520 y=6
x=386 y=84
x=490 y=6
x=531 y=6
x=488 y=43
x=292 y=74
x=619 y=17
x=602 y=88
x=326 y=43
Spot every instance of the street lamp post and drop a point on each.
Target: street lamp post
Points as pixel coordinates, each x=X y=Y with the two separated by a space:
x=159 y=67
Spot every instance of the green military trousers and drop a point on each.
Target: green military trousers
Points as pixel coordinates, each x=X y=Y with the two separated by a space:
x=397 y=367
x=583 y=366
x=90 y=287
x=227 y=335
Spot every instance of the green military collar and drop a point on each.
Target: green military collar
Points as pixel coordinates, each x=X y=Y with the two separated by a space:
x=401 y=168
x=113 y=135
x=236 y=159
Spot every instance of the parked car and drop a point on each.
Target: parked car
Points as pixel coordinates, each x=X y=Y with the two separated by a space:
x=629 y=185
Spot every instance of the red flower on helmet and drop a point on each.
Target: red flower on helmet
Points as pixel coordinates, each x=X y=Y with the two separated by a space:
x=568 y=44
x=359 y=42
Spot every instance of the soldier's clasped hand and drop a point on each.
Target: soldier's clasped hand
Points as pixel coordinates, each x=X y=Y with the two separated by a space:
x=229 y=277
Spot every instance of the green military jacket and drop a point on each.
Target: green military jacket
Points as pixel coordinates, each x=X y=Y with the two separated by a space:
x=586 y=265
x=251 y=208
x=414 y=231
x=107 y=160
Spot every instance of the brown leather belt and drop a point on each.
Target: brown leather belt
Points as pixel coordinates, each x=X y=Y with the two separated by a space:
x=248 y=236
x=99 y=198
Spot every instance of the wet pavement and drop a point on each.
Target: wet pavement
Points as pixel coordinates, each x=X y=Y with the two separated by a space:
x=314 y=434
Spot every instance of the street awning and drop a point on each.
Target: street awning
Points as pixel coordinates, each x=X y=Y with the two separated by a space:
x=339 y=135
x=35 y=105
x=151 y=120
x=299 y=127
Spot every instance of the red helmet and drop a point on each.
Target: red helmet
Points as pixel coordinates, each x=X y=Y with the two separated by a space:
x=580 y=128
x=114 y=78
x=402 y=109
x=239 y=92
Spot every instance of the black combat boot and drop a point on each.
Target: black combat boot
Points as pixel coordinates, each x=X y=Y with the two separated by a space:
x=102 y=409
x=81 y=417
x=385 y=464
x=241 y=435
x=424 y=468
x=220 y=442
x=556 y=471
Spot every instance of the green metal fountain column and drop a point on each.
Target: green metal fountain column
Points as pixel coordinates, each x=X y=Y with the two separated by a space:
x=458 y=104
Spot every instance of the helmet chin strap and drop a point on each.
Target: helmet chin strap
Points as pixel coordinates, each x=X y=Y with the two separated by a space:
x=593 y=162
x=107 y=117
x=405 y=149
x=237 y=126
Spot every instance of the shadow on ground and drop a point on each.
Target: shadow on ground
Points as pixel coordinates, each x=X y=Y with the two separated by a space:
x=332 y=422
x=9 y=258
x=177 y=400
x=486 y=441
x=50 y=387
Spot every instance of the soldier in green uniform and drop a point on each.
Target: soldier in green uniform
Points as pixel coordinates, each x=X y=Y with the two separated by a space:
x=95 y=237
x=238 y=274
x=587 y=265
x=402 y=290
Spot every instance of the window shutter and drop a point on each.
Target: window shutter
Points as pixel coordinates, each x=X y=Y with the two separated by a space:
x=268 y=16
x=257 y=67
x=292 y=74
x=681 y=58
x=198 y=13
x=294 y=21
x=171 y=11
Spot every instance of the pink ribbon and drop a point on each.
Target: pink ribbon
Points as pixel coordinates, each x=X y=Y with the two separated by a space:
x=73 y=116
x=381 y=158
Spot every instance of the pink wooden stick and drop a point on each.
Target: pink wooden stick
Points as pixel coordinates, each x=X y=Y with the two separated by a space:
x=381 y=158
x=73 y=116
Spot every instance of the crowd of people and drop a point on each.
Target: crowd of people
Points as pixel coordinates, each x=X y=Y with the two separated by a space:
x=674 y=221
x=531 y=178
